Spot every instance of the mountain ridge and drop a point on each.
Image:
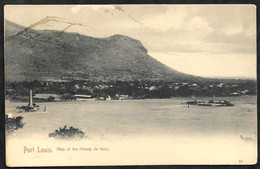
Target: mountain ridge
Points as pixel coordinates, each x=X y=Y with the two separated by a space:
x=50 y=54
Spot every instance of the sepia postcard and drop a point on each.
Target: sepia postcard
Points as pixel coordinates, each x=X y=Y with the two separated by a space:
x=95 y=85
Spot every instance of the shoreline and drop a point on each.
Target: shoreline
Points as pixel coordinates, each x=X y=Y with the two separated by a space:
x=190 y=97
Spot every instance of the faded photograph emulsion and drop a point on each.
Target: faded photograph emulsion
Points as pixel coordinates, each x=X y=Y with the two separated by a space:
x=130 y=85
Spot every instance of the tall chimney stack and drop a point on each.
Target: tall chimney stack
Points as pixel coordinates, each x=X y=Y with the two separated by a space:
x=30 y=100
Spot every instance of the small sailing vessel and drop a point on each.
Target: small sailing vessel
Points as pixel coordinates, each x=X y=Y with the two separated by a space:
x=31 y=107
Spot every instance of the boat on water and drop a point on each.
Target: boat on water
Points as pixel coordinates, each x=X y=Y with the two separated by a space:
x=211 y=102
x=192 y=102
x=204 y=104
x=220 y=103
x=31 y=107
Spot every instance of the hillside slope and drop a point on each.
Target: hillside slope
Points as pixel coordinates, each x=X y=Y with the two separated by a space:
x=48 y=54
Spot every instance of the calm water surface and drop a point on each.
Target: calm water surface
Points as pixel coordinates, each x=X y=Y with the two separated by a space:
x=164 y=131
x=144 y=117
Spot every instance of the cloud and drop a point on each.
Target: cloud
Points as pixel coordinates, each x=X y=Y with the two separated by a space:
x=178 y=19
x=96 y=7
x=100 y=7
x=173 y=18
x=238 y=30
x=75 y=9
x=208 y=64
x=199 y=23
x=189 y=30
x=232 y=30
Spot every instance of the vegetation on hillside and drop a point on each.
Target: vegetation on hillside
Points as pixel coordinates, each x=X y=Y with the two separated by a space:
x=133 y=89
x=67 y=64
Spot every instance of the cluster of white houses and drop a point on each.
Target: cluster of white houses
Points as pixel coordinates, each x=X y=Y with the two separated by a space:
x=230 y=89
x=78 y=97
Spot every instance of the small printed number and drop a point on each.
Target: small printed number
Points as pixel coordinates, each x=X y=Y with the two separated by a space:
x=240 y=161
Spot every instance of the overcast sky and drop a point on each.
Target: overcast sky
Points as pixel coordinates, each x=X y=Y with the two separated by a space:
x=204 y=40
